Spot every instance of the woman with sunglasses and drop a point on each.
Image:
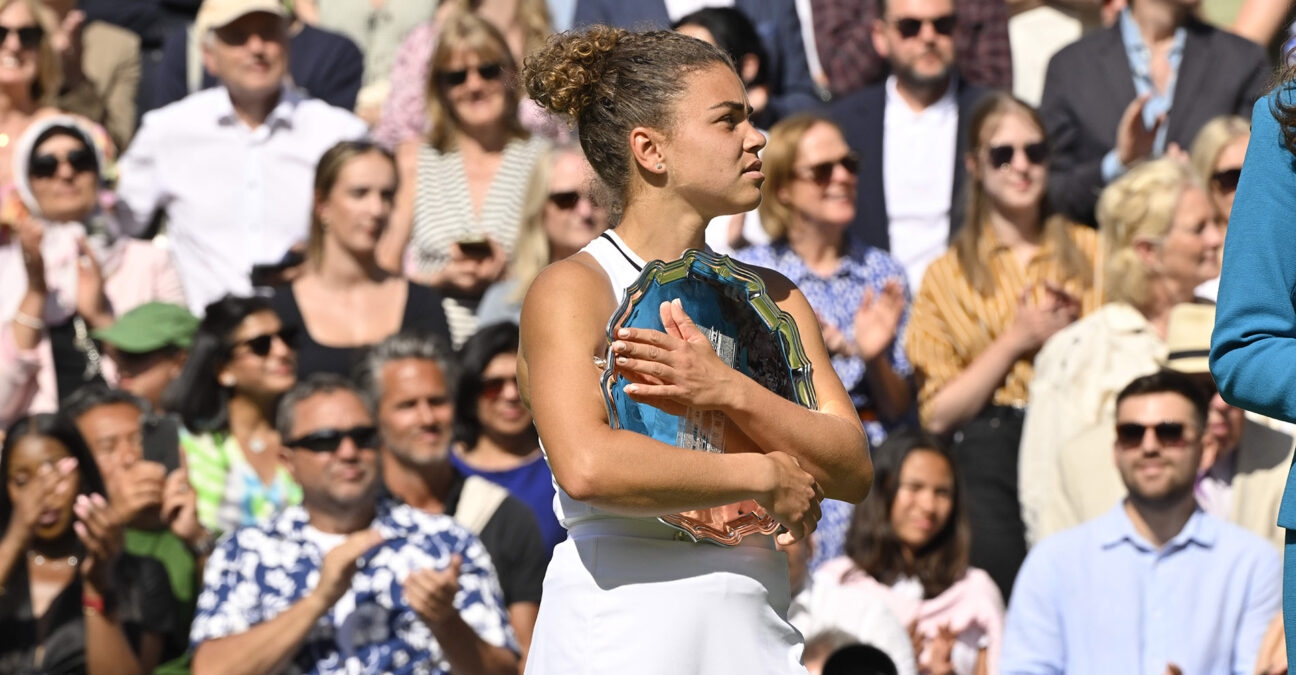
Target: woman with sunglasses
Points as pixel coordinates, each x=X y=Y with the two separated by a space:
x=1160 y=241
x=344 y=300
x=241 y=362
x=858 y=292
x=1216 y=155
x=1015 y=274
x=461 y=192
x=71 y=601
x=62 y=229
x=494 y=436
x=560 y=215
x=29 y=86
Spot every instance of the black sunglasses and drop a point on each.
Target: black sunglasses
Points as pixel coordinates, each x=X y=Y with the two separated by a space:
x=568 y=200
x=28 y=36
x=1002 y=155
x=260 y=345
x=45 y=166
x=1227 y=180
x=910 y=28
x=486 y=71
x=822 y=172
x=1129 y=435
x=492 y=387
x=328 y=440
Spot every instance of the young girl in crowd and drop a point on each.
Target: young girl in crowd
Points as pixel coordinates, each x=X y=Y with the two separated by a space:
x=663 y=120
x=908 y=549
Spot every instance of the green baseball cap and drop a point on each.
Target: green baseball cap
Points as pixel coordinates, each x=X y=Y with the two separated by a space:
x=150 y=327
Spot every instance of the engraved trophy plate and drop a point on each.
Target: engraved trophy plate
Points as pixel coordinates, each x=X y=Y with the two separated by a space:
x=729 y=304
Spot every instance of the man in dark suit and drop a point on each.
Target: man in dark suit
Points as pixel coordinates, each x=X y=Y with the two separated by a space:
x=1110 y=100
x=910 y=134
x=776 y=21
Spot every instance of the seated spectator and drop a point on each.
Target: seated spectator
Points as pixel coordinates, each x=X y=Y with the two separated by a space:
x=493 y=431
x=1128 y=591
x=1244 y=458
x=240 y=153
x=149 y=346
x=62 y=173
x=459 y=203
x=791 y=88
x=348 y=581
x=377 y=27
x=859 y=660
x=843 y=32
x=1016 y=274
x=325 y=65
x=1160 y=241
x=149 y=493
x=344 y=301
x=859 y=293
x=101 y=69
x=730 y=30
x=561 y=215
x=152 y=21
x=73 y=602
x=30 y=87
x=1217 y=155
x=525 y=26
x=908 y=550
x=821 y=645
x=409 y=381
x=1111 y=100
x=911 y=133
x=241 y=362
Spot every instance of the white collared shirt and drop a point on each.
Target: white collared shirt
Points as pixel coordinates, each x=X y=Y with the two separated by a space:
x=918 y=178
x=678 y=9
x=234 y=196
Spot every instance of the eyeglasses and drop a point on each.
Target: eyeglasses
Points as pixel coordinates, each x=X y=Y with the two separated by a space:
x=260 y=345
x=910 y=28
x=28 y=36
x=486 y=71
x=1227 y=180
x=822 y=172
x=1002 y=155
x=328 y=440
x=1129 y=435
x=567 y=201
x=493 y=387
x=45 y=166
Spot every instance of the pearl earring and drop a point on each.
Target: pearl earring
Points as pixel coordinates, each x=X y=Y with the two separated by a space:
x=660 y=166
x=227 y=380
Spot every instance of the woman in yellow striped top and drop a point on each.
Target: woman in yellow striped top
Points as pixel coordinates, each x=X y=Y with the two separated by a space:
x=1015 y=274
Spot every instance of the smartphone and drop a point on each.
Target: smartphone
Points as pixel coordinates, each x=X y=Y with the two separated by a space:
x=475 y=247
x=162 y=441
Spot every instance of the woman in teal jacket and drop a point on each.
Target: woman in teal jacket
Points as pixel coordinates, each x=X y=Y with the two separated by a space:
x=1253 y=348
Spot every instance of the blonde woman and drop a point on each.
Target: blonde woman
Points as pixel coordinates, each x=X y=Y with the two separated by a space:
x=32 y=81
x=561 y=215
x=1160 y=241
x=1216 y=156
x=1015 y=274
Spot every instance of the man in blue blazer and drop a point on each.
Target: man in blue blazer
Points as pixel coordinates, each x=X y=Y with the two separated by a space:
x=924 y=84
x=776 y=21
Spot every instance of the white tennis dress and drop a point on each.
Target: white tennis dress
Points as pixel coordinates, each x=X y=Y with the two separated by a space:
x=625 y=596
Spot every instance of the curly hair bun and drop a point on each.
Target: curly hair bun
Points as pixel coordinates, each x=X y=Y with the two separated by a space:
x=564 y=74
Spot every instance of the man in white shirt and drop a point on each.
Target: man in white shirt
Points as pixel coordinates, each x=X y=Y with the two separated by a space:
x=232 y=167
x=910 y=134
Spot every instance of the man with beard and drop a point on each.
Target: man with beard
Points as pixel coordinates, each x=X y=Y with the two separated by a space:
x=349 y=581
x=408 y=381
x=910 y=132
x=1156 y=585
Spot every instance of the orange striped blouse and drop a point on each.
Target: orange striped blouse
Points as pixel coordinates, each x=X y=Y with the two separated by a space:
x=951 y=323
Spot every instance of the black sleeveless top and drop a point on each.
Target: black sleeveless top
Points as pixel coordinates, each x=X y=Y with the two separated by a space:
x=423 y=313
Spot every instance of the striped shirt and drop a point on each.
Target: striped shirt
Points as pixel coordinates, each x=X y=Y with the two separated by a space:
x=443 y=214
x=952 y=323
x=230 y=492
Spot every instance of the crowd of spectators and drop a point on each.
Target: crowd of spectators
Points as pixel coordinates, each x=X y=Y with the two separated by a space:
x=261 y=274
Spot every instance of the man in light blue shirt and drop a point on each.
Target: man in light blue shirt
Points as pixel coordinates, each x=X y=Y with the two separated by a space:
x=1156 y=582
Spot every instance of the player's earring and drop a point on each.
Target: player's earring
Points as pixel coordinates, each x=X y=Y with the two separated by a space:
x=660 y=166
